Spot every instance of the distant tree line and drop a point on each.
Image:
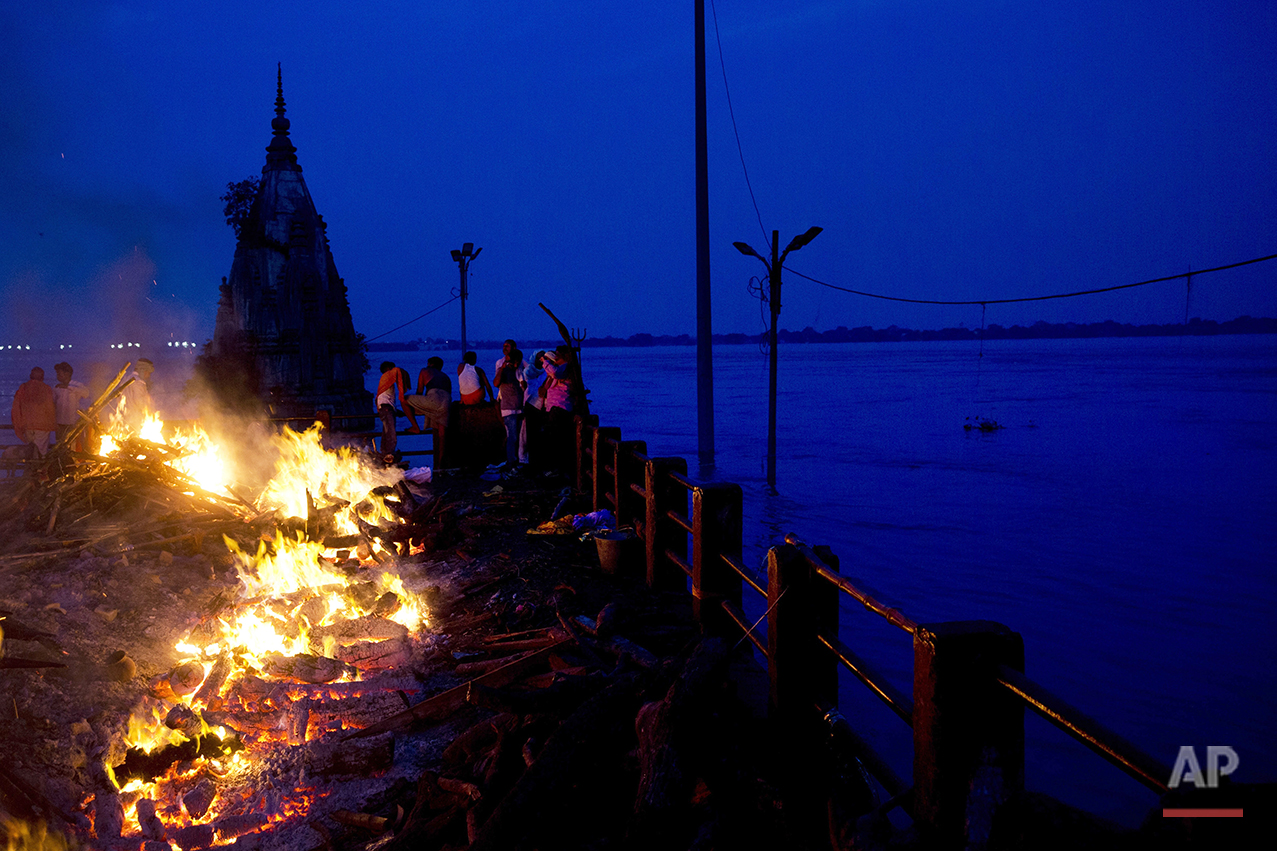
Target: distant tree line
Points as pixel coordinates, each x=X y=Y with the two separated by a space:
x=892 y=334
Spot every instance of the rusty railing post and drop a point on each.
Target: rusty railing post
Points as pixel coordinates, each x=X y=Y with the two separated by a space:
x=659 y=532
x=628 y=470
x=601 y=452
x=800 y=606
x=716 y=531
x=968 y=732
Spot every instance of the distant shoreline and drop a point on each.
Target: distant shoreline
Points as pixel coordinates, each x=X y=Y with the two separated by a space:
x=892 y=334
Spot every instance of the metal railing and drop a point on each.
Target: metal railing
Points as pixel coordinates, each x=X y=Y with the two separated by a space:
x=969 y=686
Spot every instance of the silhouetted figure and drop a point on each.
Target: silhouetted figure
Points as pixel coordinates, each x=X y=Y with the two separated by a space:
x=34 y=413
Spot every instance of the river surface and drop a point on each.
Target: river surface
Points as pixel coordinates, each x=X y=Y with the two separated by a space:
x=1123 y=519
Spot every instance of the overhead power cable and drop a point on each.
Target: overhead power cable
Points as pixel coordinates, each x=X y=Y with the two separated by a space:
x=740 y=150
x=983 y=301
x=410 y=321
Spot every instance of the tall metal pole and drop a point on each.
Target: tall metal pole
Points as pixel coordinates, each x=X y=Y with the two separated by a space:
x=462 y=257
x=704 y=327
x=773 y=298
x=463 y=264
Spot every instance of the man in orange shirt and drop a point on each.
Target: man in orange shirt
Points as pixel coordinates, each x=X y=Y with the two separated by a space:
x=34 y=413
x=389 y=389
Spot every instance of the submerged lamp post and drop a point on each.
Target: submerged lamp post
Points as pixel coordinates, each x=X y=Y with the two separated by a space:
x=773 y=298
x=462 y=258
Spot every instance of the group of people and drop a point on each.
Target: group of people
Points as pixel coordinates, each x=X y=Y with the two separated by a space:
x=536 y=402
x=43 y=414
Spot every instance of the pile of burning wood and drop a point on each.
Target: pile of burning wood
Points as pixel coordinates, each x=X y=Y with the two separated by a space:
x=306 y=647
x=335 y=687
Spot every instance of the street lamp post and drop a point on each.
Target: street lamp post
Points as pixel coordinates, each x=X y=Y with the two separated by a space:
x=773 y=298
x=462 y=258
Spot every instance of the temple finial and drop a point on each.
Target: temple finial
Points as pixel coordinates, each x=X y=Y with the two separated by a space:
x=280 y=150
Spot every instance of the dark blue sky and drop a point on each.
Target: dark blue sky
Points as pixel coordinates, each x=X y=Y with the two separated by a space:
x=950 y=150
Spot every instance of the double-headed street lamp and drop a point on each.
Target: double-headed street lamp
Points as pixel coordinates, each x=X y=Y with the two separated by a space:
x=773 y=297
x=462 y=258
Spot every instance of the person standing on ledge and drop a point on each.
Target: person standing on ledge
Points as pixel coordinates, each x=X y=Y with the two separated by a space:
x=389 y=390
x=34 y=414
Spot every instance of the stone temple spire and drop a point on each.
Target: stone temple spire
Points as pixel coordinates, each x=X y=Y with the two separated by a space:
x=284 y=331
x=280 y=153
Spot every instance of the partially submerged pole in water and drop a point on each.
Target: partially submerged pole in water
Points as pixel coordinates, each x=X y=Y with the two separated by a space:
x=773 y=297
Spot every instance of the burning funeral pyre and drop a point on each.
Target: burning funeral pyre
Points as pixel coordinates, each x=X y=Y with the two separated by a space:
x=303 y=648
x=326 y=657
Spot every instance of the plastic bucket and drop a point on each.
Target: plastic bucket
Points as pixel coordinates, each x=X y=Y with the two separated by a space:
x=618 y=551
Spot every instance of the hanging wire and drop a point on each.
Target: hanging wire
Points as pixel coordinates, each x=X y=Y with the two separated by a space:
x=410 y=321
x=740 y=150
x=1032 y=298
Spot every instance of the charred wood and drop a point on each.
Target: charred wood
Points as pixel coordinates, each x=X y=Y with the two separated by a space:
x=362 y=756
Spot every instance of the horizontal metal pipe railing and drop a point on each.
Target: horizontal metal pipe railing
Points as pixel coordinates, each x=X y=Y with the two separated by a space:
x=893 y=616
x=680 y=520
x=680 y=561
x=1146 y=769
x=890 y=695
x=745 y=574
x=876 y=765
x=1113 y=747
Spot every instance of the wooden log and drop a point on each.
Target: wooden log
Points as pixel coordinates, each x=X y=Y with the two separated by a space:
x=551 y=638
x=453 y=626
x=376 y=655
x=230 y=827
x=464 y=788
x=209 y=693
x=357 y=712
x=306 y=668
x=367 y=628
x=471 y=669
x=365 y=821
x=446 y=703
